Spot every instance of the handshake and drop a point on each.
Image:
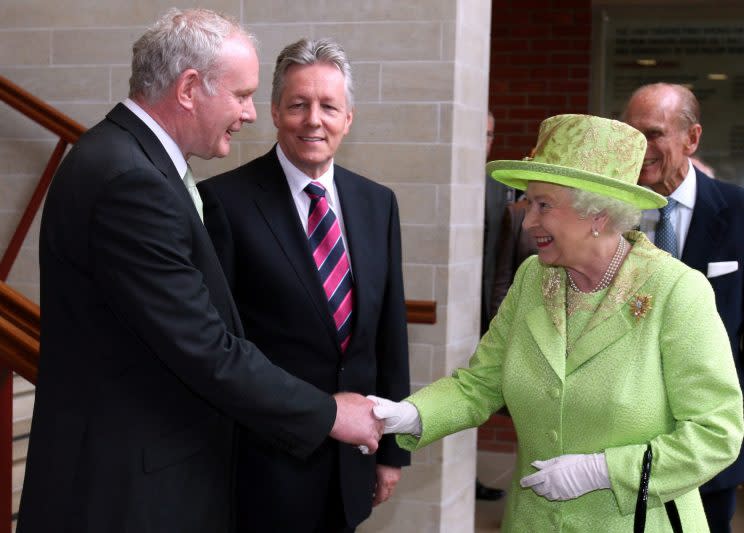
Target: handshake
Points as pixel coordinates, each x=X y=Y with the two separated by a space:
x=363 y=421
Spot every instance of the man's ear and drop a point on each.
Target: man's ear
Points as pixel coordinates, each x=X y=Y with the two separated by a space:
x=692 y=139
x=187 y=85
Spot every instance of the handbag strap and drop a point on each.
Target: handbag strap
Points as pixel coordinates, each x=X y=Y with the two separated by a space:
x=639 y=521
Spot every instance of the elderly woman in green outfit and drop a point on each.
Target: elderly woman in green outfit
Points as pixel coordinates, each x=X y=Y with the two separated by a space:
x=603 y=345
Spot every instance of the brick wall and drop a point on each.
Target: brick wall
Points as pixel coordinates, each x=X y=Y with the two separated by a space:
x=540 y=57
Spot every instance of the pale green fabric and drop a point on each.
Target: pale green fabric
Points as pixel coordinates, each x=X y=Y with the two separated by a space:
x=586 y=152
x=666 y=377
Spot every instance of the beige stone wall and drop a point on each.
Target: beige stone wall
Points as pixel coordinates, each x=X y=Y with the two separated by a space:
x=421 y=70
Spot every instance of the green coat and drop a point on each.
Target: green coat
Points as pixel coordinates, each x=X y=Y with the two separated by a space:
x=666 y=377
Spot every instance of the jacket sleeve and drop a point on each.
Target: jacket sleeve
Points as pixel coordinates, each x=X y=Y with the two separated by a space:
x=703 y=395
x=472 y=394
x=142 y=240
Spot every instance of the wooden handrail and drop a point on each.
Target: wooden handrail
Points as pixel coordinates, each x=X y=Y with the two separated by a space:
x=20 y=321
x=39 y=111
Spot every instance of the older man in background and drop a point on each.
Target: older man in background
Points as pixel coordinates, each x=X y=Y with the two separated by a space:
x=703 y=225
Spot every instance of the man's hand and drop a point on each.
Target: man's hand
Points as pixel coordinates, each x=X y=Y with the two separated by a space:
x=355 y=423
x=387 y=479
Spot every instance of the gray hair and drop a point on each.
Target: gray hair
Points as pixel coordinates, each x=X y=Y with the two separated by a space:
x=179 y=40
x=310 y=52
x=622 y=216
x=688 y=105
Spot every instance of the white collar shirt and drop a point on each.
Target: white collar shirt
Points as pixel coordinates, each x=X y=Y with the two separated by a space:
x=682 y=214
x=174 y=152
x=298 y=180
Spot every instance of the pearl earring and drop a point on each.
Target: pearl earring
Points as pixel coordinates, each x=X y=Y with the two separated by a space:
x=595 y=233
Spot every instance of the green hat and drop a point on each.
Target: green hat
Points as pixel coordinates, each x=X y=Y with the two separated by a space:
x=585 y=152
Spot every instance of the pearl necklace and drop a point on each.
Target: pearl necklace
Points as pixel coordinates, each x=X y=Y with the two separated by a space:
x=609 y=274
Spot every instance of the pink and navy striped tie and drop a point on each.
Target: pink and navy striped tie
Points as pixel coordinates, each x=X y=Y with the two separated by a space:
x=327 y=245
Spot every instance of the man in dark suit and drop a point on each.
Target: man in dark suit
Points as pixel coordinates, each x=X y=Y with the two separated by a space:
x=143 y=369
x=707 y=220
x=498 y=196
x=335 y=319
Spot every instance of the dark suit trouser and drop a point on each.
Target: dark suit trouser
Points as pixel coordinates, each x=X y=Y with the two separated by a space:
x=719 y=509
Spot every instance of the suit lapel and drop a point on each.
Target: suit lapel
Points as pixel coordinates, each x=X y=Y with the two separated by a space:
x=278 y=209
x=550 y=318
x=356 y=215
x=706 y=227
x=155 y=152
x=153 y=148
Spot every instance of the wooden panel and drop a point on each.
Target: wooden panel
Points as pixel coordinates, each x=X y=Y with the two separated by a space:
x=421 y=311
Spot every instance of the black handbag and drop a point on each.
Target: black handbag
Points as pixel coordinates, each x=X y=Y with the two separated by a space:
x=639 y=522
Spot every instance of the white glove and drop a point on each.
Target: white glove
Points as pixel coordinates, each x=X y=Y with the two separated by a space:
x=568 y=476
x=398 y=417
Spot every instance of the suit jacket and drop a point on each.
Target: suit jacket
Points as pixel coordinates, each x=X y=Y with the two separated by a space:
x=716 y=234
x=498 y=196
x=663 y=377
x=515 y=246
x=264 y=251
x=143 y=368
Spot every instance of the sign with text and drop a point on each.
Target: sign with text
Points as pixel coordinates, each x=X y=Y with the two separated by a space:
x=703 y=53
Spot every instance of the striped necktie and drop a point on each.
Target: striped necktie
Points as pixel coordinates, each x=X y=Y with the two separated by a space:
x=327 y=245
x=666 y=237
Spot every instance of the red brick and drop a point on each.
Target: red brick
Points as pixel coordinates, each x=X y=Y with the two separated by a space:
x=583 y=17
x=550 y=73
x=528 y=86
x=524 y=141
x=569 y=58
x=577 y=44
x=550 y=45
x=577 y=5
x=498 y=113
x=499 y=87
x=507 y=99
x=505 y=435
x=529 y=59
x=511 y=73
x=579 y=102
x=526 y=31
x=527 y=113
x=569 y=86
x=507 y=126
x=579 y=30
x=508 y=153
x=553 y=17
x=539 y=4
x=485 y=433
x=546 y=99
x=496 y=447
x=579 y=72
x=507 y=45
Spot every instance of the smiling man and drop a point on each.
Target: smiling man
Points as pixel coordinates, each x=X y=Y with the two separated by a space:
x=703 y=225
x=313 y=255
x=144 y=369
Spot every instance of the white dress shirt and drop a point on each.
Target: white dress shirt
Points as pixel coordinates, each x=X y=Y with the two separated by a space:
x=682 y=213
x=298 y=180
x=174 y=152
